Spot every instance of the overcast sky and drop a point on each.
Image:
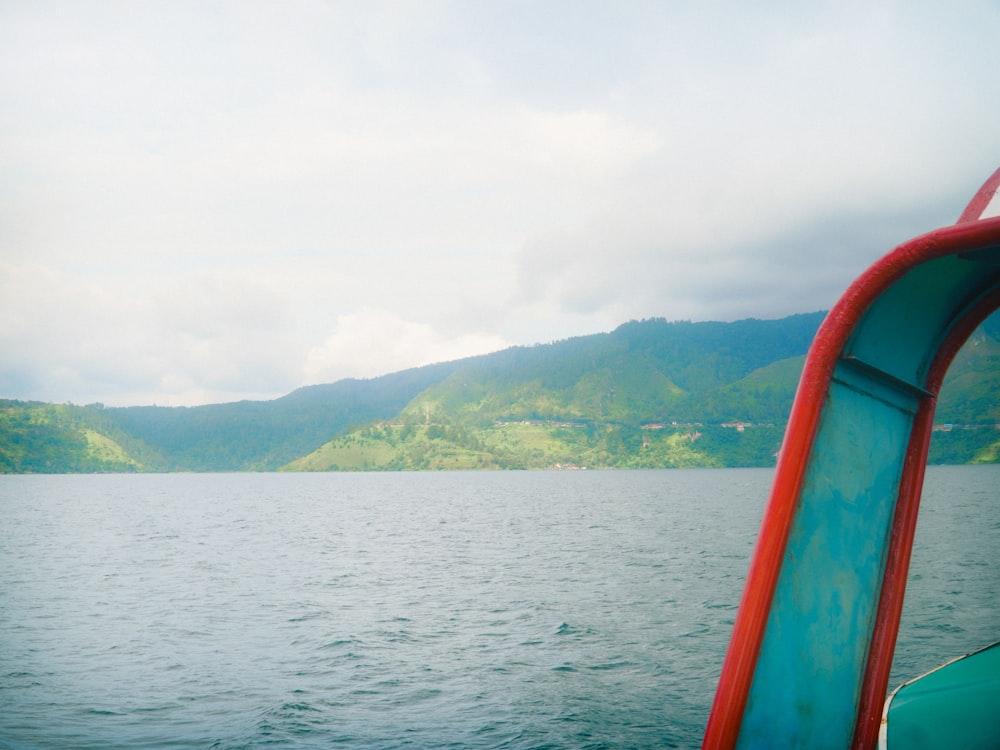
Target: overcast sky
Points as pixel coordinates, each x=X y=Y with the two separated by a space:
x=209 y=201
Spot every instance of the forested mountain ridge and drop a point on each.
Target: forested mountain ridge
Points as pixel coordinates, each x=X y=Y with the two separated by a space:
x=641 y=371
x=650 y=393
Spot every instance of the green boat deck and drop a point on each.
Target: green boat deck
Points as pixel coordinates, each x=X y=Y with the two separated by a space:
x=956 y=705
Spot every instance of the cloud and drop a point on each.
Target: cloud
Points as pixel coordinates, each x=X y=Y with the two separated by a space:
x=372 y=342
x=120 y=340
x=226 y=194
x=619 y=270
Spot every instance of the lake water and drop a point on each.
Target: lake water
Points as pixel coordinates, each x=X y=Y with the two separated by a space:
x=434 y=610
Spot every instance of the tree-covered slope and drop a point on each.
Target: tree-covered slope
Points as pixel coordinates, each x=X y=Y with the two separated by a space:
x=263 y=435
x=648 y=394
x=641 y=372
x=38 y=438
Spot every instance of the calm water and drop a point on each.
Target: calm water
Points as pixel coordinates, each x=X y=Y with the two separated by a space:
x=466 y=610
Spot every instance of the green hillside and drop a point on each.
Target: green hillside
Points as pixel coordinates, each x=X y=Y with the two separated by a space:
x=648 y=394
x=38 y=438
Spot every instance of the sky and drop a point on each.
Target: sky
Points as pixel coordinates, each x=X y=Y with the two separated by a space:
x=213 y=201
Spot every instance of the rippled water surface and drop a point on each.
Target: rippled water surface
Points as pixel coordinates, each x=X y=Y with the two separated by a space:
x=465 y=610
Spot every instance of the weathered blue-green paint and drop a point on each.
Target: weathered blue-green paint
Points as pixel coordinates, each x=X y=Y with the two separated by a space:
x=902 y=331
x=812 y=643
x=816 y=640
x=811 y=665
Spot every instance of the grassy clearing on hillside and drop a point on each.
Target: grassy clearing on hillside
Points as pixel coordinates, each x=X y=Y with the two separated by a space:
x=103 y=449
x=533 y=445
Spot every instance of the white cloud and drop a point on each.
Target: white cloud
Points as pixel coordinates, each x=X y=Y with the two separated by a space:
x=172 y=339
x=372 y=342
x=231 y=197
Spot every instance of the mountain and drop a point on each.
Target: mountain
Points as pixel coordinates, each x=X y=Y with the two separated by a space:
x=263 y=435
x=650 y=393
